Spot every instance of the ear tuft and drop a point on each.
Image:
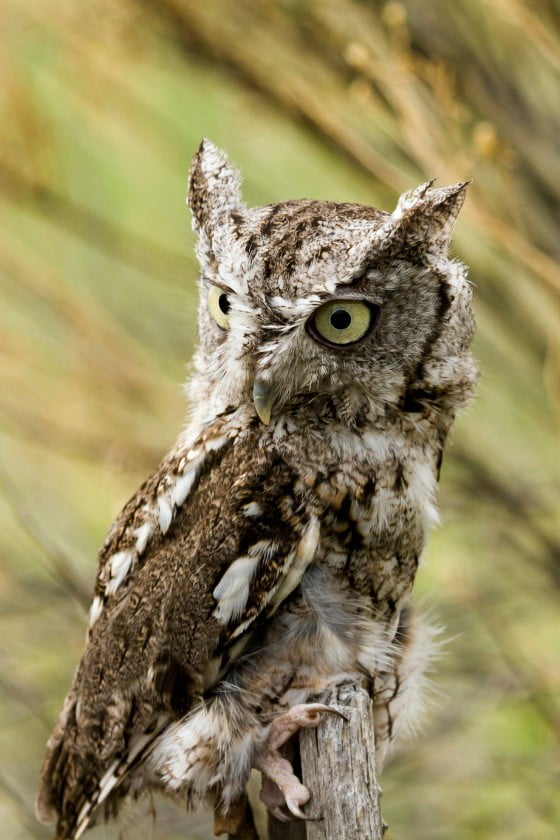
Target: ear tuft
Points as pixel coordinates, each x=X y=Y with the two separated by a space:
x=427 y=216
x=411 y=199
x=214 y=187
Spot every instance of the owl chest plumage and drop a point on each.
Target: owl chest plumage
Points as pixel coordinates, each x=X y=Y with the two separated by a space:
x=374 y=492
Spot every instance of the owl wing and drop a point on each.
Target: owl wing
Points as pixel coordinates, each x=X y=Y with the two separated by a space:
x=208 y=544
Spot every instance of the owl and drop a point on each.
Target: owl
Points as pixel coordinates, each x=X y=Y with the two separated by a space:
x=272 y=553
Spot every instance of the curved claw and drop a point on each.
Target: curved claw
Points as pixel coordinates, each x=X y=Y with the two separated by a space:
x=330 y=710
x=295 y=809
x=279 y=815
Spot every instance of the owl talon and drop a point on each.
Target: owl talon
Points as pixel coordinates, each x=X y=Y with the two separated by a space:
x=280 y=815
x=297 y=812
x=294 y=809
x=281 y=788
x=302 y=716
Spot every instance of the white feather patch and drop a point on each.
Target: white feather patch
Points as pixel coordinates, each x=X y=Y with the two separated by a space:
x=422 y=492
x=165 y=513
x=142 y=535
x=173 y=757
x=167 y=503
x=232 y=592
x=203 y=749
x=215 y=443
x=120 y=564
x=183 y=487
x=95 y=610
x=252 y=509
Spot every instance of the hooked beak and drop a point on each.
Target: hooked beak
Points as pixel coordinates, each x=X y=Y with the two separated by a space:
x=262 y=400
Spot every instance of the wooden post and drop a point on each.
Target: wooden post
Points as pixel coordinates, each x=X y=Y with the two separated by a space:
x=338 y=768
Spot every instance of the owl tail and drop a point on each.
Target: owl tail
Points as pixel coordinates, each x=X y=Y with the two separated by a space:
x=56 y=765
x=118 y=770
x=68 y=783
x=73 y=785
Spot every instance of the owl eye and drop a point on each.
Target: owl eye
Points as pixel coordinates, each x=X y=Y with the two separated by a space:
x=219 y=306
x=340 y=323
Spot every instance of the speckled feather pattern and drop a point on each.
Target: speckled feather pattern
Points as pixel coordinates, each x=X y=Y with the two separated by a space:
x=261 y=563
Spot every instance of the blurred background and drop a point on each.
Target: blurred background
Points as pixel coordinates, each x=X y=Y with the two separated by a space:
x=101 y=107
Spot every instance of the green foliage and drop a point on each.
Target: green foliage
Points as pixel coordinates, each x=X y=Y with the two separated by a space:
x=102 y=106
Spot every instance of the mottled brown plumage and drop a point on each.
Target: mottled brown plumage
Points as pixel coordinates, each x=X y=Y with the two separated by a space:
x=265 y=560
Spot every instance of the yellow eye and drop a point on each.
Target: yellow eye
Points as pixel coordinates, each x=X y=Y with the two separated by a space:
x=340 y=323
x=219 y=306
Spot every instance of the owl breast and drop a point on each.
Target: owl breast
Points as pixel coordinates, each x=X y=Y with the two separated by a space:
x=375 y=497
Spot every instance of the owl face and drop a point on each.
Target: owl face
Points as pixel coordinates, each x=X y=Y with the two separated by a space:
x=308 y=300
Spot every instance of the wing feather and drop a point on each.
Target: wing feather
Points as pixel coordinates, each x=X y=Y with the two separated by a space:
x=170 y=597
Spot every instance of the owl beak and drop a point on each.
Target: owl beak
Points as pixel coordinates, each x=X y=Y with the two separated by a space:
x=262 y=400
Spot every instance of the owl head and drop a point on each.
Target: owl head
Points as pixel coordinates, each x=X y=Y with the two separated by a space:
x=338 y=308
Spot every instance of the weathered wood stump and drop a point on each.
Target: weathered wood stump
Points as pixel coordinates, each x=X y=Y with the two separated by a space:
x=338 y=768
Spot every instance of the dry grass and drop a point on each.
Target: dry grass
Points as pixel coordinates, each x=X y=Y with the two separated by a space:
x=102 y=106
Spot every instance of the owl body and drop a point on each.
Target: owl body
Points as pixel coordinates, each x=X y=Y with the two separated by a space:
x=273 y=552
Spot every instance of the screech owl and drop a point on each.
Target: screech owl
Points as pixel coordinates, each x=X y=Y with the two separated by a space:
x=273 y=552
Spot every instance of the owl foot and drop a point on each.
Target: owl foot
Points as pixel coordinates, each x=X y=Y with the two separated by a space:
x=281 y=788
x=302 y=716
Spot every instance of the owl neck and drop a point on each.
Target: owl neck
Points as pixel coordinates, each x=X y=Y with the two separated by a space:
x=350 y=417
x=419 y=414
